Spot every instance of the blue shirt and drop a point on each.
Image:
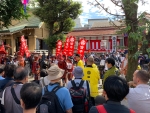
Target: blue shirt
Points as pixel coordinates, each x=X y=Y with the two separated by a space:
x=3 y=82
x=1 y=78
x=63 y=97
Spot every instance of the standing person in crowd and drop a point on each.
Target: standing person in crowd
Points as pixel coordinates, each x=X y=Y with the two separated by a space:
x=79 y=61
x=21 y=61
x=44 y=78
x=36 y=67
x=139 y=97
x=54 y=75
x=92 y=75
x=11 y=95
x=9 y=70
x=141 y=59
x=11 y=60
x=115 y=90
x=78 y=74
x=63 y=65
x=122 y=57
x=112 y=70
x=78 y=87
x=30 y=94
x=69 y=69
x=124 y=66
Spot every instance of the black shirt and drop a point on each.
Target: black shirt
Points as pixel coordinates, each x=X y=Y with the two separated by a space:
x=112 y=107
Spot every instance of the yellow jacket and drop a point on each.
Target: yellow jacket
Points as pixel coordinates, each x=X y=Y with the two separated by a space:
x=92 y=75
x=80 y=64
x=94 y=66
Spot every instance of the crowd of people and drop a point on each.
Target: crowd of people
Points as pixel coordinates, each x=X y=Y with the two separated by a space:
x=73 y=84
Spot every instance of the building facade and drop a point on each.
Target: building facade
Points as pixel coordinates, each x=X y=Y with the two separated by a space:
x=33 y=30
x=101 y=36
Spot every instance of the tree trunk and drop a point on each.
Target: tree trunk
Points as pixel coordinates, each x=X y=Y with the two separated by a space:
x=51 y=27
x=130 y=10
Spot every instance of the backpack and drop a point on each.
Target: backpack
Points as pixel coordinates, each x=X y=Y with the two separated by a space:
x=49 y=102
x=101 y=109
x=78 y=96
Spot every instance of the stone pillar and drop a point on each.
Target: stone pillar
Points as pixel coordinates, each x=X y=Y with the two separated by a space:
x=32 y=43
x=13 y=46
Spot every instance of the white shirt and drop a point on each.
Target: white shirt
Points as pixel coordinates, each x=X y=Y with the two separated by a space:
x=139 y=98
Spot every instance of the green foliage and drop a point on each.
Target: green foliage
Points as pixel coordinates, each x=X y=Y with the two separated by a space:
x=58 y=16
x=51 y=40
x=148 y=50
x=10 y=10
x=136 y=55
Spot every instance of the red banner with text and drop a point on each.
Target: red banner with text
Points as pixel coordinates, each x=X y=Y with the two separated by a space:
x=69 y=46
x=58 y=47
x=81 y=47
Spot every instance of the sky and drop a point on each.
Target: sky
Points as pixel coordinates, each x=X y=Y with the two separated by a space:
x=92 y=12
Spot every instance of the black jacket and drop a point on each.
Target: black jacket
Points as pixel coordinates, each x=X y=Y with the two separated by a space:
x=112 y=107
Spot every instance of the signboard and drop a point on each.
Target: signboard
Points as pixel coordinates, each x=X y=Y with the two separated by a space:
x=114 y=43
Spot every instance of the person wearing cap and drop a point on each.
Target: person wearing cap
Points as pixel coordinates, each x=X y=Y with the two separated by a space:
x=78 y=74
x=54 y=75
x=92 y=75
x=79 y=61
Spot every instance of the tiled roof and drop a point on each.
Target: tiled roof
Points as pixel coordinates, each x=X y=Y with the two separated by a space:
x=92 y=32
x=31 y=22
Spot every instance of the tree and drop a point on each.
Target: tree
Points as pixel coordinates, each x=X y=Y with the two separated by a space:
x=130 y=10
x=10 y=10
x=58 y=16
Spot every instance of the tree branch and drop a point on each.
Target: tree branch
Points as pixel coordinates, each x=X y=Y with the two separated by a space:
x=106 y=9
x=117 y=3
x=115 y=24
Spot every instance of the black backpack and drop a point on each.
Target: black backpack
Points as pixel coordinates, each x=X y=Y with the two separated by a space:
x=49 y=102
x=78 y=96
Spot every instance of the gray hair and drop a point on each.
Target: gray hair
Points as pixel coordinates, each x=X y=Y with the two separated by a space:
x=20 y=73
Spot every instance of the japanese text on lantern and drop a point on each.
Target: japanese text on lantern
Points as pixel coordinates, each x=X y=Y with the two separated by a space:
x=58 y=47
x=81 y=47
x=71 y=45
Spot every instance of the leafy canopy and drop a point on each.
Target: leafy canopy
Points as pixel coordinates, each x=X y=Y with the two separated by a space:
x=58 y=14
x=10 y=10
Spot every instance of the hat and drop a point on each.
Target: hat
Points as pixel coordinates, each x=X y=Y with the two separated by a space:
x=54 y=72
x=78 y=72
